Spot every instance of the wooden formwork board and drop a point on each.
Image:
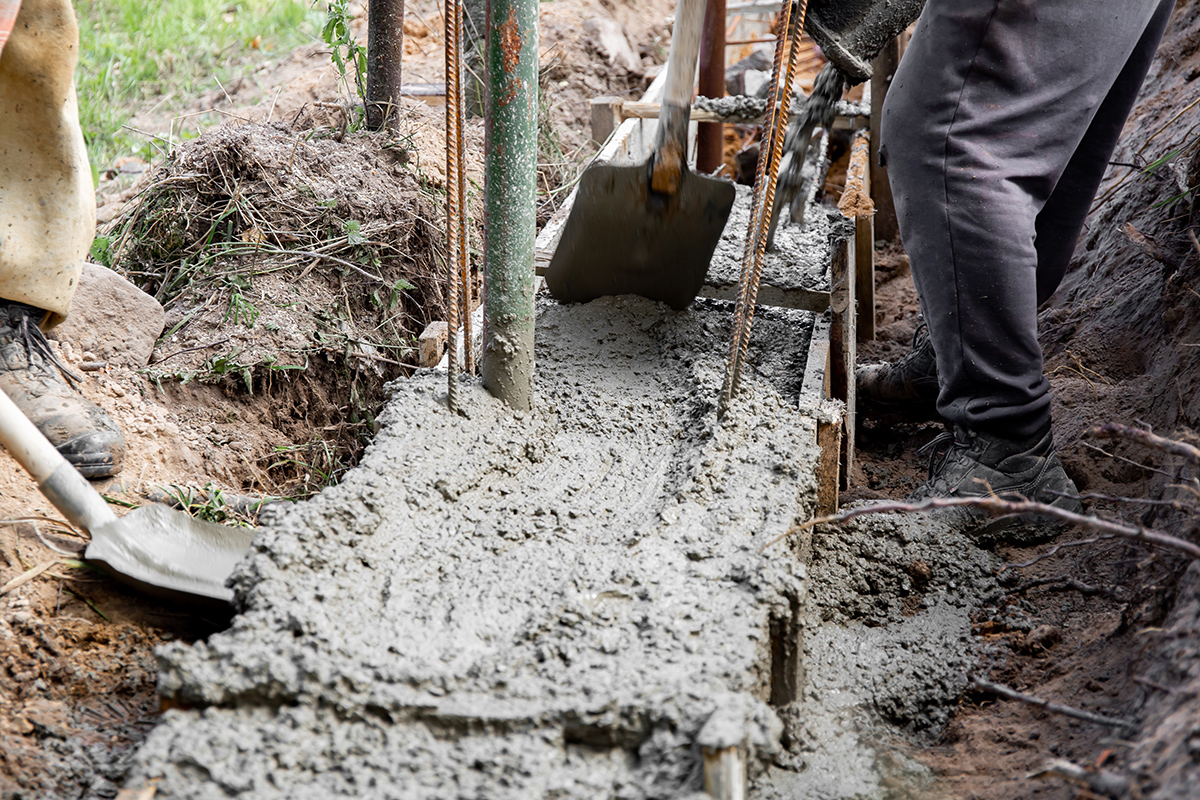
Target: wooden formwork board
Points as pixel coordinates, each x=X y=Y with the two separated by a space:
x=856 y=204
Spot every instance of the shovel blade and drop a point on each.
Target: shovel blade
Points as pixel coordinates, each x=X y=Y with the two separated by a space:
x=624 y=238
x=169 y=554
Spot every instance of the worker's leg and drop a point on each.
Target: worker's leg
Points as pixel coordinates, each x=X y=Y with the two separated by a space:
x=1061 y=219
x=47 y=201
x=47 y=218
x=988 y=106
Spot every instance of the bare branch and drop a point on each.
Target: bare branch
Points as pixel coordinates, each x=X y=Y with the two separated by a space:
x=1046 y=705
x=1115 y=430
x=1060 y=584
x=999 y=507
x=1098 y=782
x=1055 y=549
x=1178 y=505
x=1146 y=467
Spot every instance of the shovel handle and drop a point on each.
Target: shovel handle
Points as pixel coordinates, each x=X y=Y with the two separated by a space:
x=675 y=111
x=56 y=478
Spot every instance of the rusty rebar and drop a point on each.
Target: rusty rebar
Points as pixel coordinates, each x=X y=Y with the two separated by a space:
x=454 y=183
x=791 y=22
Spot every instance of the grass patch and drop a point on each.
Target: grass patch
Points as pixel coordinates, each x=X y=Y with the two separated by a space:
x=131 y=51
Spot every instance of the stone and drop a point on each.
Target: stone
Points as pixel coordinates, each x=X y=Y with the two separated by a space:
x=111 y=318
x=431 y=344
x=608 y=37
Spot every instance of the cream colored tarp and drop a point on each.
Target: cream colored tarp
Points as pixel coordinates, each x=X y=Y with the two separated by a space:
x=47 y=201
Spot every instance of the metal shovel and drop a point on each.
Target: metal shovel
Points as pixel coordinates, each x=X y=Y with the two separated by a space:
x=648 y=229
x=153 y=548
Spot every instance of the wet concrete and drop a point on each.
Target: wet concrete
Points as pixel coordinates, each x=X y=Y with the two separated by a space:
x=799 y=258
x=569 y=602
x=543 y=604
x=887 y=651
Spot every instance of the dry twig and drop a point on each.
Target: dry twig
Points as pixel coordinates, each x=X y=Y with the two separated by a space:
x=1115 y=430
x=999 y=507
x=1046 y=705
x=26 y=576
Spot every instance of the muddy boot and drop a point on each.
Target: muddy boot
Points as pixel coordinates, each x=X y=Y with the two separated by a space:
x=906 y=389
x=973 y=464
x=38 y=384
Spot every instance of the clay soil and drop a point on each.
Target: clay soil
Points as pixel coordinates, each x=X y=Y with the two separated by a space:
x=1104 y=626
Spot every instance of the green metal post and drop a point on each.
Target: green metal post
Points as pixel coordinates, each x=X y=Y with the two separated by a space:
x=510 y=186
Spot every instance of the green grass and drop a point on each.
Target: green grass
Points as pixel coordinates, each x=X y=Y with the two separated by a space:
x=135 y=50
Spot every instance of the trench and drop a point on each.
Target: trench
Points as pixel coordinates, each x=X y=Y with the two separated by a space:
x=571 y=602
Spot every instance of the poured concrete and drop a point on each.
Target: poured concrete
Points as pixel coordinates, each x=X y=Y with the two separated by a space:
x=800 y=256
x=550 y=604
x=887 y=650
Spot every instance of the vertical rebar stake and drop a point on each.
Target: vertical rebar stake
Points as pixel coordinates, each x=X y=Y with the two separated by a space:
x=791 y=22
x=453 y=26
x=510 y=196
x=464 y=258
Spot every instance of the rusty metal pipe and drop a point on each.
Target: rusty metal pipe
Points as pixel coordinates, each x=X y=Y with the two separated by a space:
x=385 y=46
x=710 y=136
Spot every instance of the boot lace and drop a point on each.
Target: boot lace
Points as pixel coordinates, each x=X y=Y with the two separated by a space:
x=34 y=342
x=938 y=450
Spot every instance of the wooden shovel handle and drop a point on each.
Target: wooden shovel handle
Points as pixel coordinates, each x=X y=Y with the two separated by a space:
x=670 y=150
x=56 y=478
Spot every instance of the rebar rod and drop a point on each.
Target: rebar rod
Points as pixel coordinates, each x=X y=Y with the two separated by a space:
x=510 y=199
x=453 y=27
x=791 y=21
x=463 y=253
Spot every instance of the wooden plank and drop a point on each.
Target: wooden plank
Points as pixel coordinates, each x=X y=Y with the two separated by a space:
x=813 y=393
x=432 y=343
x=606 y=116
x=857 y=205
x=829 y=439
x=433 y=94
x=802 y=299
x=725 y=773
x=815 y=386
x=864 y=275
x=842 y=339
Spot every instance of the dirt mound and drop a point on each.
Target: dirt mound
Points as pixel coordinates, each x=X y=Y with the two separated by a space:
x=291 y=262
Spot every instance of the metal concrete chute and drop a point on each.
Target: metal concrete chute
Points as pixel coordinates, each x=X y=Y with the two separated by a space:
x=852 y=32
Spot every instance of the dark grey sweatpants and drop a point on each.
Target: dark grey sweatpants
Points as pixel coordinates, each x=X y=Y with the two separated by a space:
x=996 y=132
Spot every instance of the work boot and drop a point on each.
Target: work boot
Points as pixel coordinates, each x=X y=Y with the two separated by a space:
x=966 y=463
x=906 y=389
x=35 y=380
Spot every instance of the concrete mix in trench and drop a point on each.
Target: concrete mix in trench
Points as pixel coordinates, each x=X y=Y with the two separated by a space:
x=568 y=603
x=551 y=604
